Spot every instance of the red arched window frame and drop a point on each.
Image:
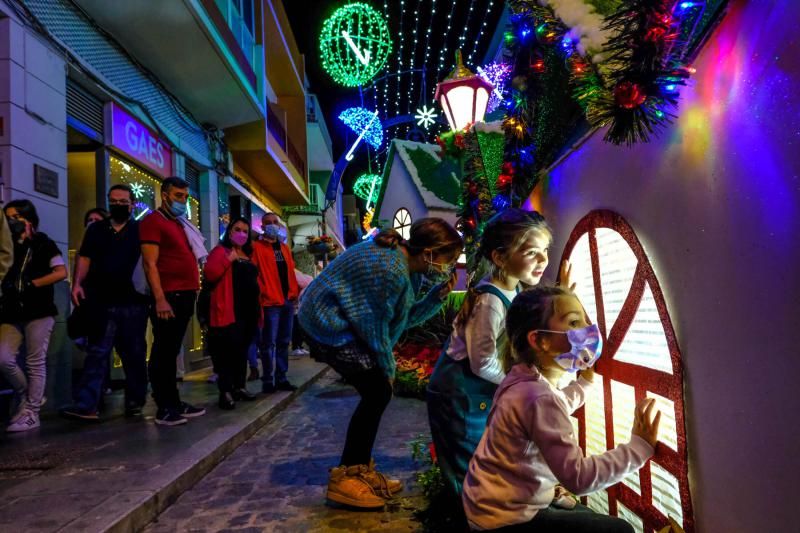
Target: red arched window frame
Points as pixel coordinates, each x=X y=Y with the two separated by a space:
x=642 y=379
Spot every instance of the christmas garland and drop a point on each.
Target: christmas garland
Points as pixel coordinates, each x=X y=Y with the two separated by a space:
x=629 y=83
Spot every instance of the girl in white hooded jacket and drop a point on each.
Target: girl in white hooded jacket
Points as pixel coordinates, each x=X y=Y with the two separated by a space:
x=529 y=446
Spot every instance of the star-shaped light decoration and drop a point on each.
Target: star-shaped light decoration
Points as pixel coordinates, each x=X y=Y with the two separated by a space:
x=425 y=117
x=138 y=190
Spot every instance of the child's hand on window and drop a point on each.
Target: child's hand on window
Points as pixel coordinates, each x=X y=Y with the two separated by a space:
x=645 y=425
x=565 y=276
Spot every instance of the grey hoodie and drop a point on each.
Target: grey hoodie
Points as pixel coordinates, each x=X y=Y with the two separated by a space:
x=529 y=446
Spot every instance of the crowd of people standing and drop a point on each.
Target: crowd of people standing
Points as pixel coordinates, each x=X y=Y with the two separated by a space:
x=128 y=272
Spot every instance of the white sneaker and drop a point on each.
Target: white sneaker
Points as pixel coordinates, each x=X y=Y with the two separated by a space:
x=28 y=420
x=300 y=352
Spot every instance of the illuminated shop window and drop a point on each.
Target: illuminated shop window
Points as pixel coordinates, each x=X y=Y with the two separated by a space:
x=146 y=189
x=402 y=222
x=641 y=359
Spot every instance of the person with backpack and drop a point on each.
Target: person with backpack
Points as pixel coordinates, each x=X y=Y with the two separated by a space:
x=234 y=312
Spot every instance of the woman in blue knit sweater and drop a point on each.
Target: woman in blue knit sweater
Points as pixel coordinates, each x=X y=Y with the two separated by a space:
x=353 y=314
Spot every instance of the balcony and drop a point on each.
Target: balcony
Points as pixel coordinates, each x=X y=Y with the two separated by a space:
x=320 y=147
x=215 y=68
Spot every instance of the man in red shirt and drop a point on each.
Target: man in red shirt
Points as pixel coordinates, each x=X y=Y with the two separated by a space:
x=171 y=270
x=279 y=293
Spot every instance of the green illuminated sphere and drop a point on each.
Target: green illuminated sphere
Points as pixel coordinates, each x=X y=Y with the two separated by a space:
x=354 y=44
x=363 y=185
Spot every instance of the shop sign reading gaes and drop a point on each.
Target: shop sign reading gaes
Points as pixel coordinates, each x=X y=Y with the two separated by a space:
x=135 y=140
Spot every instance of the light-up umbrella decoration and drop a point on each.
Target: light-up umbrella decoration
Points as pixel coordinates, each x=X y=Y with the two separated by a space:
x=463 y=96
x=365 y=124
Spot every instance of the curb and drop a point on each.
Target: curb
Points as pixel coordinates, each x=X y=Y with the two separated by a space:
x=147 y=511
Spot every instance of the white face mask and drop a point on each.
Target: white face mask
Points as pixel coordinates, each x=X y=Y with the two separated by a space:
x=587 y=345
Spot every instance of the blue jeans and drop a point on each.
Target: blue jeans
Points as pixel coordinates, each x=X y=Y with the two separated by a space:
x=252 y=351
x=125 y=327
x=275 y=338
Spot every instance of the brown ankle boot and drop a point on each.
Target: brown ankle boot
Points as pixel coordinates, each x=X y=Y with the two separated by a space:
x=348 y=486
x=381 y=483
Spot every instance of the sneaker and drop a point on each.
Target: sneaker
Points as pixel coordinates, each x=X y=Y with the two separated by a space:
x=28 y=420
x=190 y=411
x=299 y=352
x=213 y=378
x=78 y=413
x=285 y=385
x=268 y=388
x=168 y=417
x=253 y=374
x=381 y=483
x=347 y=486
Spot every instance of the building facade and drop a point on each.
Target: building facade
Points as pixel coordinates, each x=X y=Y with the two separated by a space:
x=93 y=95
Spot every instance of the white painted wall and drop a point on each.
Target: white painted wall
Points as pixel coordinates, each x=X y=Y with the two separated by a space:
x=715 y=202
x=401 y=192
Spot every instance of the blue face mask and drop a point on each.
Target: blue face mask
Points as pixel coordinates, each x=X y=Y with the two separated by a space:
x=587 y=345
x=177 y=209
x=273 y=232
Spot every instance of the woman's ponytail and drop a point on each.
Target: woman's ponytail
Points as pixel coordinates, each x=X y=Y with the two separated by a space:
x=389 y=238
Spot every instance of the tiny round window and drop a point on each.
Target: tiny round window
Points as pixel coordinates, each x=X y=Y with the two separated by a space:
x=402 y=222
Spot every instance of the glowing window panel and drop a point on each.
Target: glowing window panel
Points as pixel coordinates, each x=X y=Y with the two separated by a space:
x=402 y=223
x=623 y=398
x=595 y=413
x=598 y=502
x=645 y=343
x=630 y=517
x=582 y=276
x=666 y=492
x=667 y=431
x=617 y=267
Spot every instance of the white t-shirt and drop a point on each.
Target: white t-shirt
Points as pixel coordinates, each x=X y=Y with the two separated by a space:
x=479 y=338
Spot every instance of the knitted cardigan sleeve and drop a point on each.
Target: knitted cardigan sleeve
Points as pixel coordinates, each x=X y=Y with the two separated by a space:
x=386 y=315
x=423 y=310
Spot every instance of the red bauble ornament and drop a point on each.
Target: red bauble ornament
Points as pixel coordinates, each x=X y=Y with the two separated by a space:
x=629 y=95
x=504 y=180
x=473 y=189
x=537 y=66
x=470 y=222
x=508 y=168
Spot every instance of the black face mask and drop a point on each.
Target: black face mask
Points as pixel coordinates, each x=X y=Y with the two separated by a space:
x=17 y=227
x=120 y=213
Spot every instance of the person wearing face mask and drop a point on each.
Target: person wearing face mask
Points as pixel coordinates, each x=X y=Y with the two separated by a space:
x=529 y=445
x=353 y=314
x=28 y=311
x=234 y=310
x=170 y=266
x=103 y=285
x=279 y=292
x=513 y=249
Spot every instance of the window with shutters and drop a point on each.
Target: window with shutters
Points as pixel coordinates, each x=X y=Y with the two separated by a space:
x=641 y=359
x=402 y=222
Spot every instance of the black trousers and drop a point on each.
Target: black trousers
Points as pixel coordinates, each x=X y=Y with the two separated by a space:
x=578 y=520
x=167 y=340
x=228 y=347
x=297 y=334
x=376 y=392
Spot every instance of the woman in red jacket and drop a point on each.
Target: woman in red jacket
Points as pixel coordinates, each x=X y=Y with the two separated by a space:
x=235 y=311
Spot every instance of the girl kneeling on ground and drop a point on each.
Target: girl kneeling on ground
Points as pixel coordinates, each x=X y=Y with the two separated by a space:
x=515 y=244
x=529 y=446
x=353 y=314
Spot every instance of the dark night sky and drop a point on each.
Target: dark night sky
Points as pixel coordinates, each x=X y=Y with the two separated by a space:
x=306 y=18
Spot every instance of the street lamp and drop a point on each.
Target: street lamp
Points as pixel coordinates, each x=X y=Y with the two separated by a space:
x=463 y=96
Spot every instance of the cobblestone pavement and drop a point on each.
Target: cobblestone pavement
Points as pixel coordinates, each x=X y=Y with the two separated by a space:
x=276 y=481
